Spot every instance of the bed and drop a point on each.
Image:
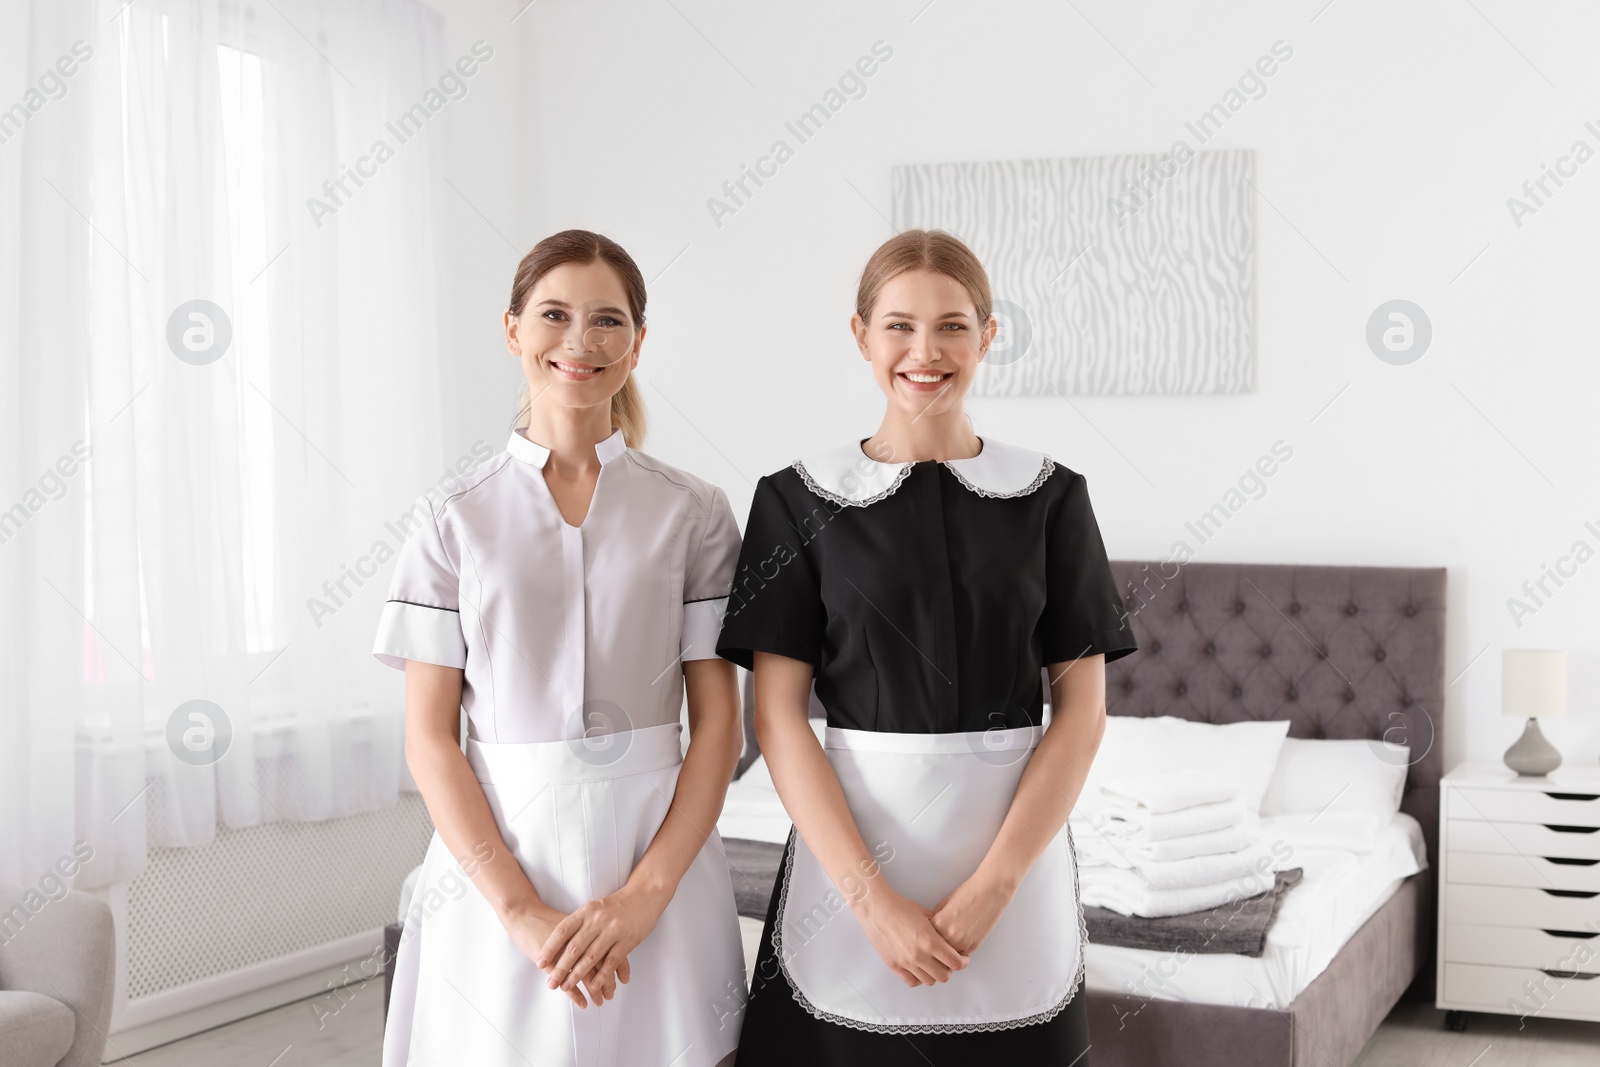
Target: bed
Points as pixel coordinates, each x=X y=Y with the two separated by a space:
x=1341 y=653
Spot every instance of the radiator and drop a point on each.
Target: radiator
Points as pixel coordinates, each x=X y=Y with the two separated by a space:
x=256 y=906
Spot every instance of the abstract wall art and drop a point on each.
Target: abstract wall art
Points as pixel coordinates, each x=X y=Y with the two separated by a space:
x=1111 y=274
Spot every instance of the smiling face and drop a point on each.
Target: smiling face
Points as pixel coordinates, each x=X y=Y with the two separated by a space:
x=924 y=341
x=575 y=336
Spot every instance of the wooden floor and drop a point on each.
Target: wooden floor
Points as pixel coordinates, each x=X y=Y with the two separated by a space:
x=304 y=1034
x=1414 y=1036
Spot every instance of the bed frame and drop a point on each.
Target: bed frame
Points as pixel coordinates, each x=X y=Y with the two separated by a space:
x=1341 y=652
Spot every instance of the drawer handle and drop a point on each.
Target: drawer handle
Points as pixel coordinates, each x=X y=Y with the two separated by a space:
x=1570 y=862
x=1571 y=829
x=1583 y=976
x=1577 y=935
x=1572 y=796
x=1582 y=894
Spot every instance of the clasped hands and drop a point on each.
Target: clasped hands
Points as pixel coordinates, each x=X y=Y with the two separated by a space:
x=926 y=945
x=588 y=948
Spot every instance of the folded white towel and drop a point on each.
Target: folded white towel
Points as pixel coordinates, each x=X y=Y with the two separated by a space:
x=1129 y=893
x=1135 y=824
x=1205 y=870
x=1164 y=791
x=1169 y=864
x=1207 y=843
x=1096 y=851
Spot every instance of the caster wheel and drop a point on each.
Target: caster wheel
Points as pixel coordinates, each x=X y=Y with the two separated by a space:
x=1455 y=1021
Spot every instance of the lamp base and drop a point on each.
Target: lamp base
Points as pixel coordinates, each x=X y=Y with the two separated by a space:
x=1532 y=756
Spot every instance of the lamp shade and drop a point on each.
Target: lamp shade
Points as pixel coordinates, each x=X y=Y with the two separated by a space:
x=1533 y=682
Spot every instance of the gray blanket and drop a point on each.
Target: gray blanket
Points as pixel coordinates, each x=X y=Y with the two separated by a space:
x=1239 y=927
x=754 y=867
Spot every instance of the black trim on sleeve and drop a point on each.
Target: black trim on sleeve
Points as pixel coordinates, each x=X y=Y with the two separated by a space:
x=414 y=604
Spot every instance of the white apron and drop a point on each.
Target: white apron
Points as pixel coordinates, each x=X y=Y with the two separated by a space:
x=577 y=815
x=928 y=807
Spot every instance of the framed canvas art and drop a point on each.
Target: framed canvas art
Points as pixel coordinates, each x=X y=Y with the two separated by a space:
x=1111 y=274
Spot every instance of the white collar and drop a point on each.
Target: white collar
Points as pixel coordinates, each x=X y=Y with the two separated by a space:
x=533 y=452
x=847 y=475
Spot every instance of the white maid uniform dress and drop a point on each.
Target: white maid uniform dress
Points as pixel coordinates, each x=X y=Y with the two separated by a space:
x=571 y=640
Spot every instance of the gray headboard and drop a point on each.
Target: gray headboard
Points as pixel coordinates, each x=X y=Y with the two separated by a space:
x=1341 y=652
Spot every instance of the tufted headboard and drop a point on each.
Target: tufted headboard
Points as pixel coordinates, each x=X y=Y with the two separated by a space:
x=1341 y=652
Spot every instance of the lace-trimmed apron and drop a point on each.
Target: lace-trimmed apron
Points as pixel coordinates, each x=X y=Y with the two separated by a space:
x=928 y=807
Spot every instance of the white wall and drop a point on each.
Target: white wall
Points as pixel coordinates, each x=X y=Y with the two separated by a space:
x=481 y=238
x=1387 y=147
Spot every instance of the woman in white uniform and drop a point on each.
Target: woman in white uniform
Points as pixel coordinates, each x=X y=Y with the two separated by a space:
x=925 y=579
x=574 y=908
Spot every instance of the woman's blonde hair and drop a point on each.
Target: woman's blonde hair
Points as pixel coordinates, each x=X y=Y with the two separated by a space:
x=583 y=247
x=934 y=250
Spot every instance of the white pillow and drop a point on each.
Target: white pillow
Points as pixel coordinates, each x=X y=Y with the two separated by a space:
x=1245 y=753
x=758 y=775
x=1338 y=777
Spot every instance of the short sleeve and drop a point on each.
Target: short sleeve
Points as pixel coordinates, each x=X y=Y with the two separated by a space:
x=1083 y=612
x=422 y=618
x=708 y=579
x=776 y=601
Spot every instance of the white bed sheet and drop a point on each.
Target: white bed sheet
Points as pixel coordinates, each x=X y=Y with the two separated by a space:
x=1341 y=889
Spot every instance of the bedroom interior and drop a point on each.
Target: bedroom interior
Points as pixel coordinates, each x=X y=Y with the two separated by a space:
x=1300 y=290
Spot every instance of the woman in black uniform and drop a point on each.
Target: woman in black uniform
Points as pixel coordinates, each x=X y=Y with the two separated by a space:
x=928 y=581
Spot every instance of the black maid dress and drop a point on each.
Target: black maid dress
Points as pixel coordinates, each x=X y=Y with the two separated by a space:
x=928 y=597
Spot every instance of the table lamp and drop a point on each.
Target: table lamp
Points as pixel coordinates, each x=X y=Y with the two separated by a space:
x=1533 y=685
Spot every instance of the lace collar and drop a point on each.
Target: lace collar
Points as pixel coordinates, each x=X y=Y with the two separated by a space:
x=847 y=475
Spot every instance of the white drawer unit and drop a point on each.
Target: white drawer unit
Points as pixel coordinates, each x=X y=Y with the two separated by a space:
x=1523 y=990
x=1525 y=869
x=1522 y=838
x=1515 y=946
x=1521 y=906
x=1558 y=807
x=1519 y=893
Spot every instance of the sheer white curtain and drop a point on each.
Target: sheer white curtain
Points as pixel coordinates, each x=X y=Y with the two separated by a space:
x=178 y=528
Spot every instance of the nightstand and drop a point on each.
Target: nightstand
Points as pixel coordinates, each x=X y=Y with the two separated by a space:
x=1519 y=893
